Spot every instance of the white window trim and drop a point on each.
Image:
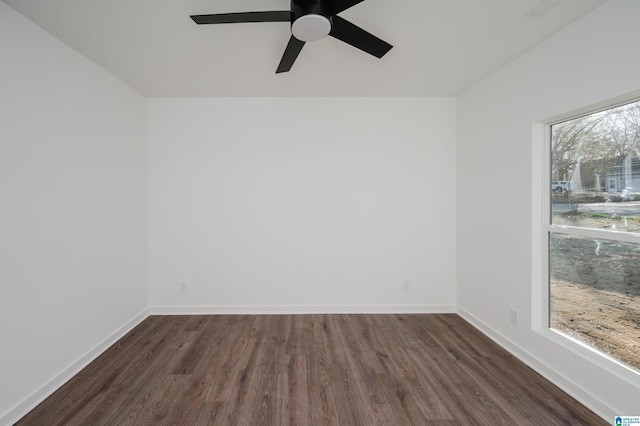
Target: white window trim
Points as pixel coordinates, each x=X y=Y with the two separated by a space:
x=541 y=226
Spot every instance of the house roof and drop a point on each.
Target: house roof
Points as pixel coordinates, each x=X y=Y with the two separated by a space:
x=441 y=47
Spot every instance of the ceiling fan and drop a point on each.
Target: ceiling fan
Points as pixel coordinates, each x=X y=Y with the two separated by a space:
x=310 y=20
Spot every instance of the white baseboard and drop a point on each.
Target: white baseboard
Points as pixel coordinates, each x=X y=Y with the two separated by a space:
x=304 y=309
x=549 y=373
x=31 y=401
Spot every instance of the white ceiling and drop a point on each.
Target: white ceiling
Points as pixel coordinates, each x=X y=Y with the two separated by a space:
x=440 y=48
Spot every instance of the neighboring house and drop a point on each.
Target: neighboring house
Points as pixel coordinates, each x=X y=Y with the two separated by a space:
x=625 y=174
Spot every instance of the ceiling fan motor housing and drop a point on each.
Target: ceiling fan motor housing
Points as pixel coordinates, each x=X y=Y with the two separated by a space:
x=311 y=19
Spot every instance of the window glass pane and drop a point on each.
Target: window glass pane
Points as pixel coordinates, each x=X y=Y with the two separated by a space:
x=595 y=294
x=595 y=170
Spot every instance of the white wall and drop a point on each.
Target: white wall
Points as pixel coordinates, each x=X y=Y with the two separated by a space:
x=302 y=205
x=73 y=270
x=589 y=62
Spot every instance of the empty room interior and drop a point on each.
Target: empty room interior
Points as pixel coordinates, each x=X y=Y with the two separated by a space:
x=159 y=176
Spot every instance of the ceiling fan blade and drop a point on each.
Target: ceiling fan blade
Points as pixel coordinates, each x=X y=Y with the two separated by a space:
x=234 y=18
x=357 y=37
x=340 y=5
x=290 y=54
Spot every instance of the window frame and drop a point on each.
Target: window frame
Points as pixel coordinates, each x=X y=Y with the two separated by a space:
x=542 y=228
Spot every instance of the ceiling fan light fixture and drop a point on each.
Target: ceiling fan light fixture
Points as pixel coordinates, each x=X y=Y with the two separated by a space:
x=311 y=27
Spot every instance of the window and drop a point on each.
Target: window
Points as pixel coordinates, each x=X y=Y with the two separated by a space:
x=592 y=231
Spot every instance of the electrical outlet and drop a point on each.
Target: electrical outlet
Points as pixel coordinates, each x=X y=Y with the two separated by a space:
x=406 y=286
x=183 y=287
x=513 y=316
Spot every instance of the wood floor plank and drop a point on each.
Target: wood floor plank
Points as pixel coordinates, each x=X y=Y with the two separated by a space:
x=428 y=398
x=308 y=370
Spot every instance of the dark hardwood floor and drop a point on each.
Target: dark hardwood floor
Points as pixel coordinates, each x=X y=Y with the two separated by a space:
x=308 y=370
